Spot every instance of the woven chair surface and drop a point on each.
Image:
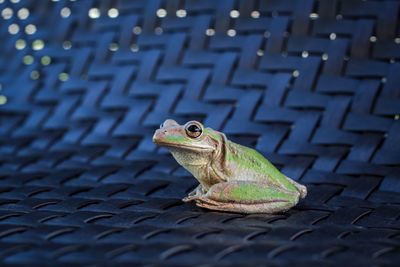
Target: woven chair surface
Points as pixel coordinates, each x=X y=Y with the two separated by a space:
x=313 y=85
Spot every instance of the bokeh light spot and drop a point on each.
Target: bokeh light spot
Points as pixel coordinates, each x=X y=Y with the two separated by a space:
x=94 y=13
x=30 y=29
x=7 y=13
x=13 y=28
x=113 y=13
x=45 y=60
x=23 y=13
x=63 y=76
x=20 y=44
x=38 y=44
x=65 y=12
x=35 y=75
x=28 y=59
x=3 y=99
x=181 y=13
x=161 y=13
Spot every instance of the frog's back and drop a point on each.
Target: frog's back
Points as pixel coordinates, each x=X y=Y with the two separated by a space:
x=248 y=164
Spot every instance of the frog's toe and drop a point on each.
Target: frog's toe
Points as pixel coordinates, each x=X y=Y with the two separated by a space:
x=191 y=198
x=187 y=199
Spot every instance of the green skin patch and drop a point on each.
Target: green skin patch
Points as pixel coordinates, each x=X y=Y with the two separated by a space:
x=175 y=139
x=251 y=192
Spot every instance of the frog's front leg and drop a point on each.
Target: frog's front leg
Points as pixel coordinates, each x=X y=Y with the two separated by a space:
x=247 y=197
x=198 y=191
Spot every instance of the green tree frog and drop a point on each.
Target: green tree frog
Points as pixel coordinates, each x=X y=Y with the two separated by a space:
x=231 y=177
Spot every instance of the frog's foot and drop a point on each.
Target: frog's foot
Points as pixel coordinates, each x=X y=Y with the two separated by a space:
x=198 y=191
x=247 y=197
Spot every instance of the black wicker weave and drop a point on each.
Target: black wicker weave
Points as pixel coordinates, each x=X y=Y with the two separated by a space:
x=313 y=85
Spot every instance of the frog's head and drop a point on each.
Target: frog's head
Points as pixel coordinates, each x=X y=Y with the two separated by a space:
x=191 y=136
x=190 y=143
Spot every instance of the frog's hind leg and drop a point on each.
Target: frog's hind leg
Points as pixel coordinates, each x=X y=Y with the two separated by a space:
x=247 y=197
x=268 y=208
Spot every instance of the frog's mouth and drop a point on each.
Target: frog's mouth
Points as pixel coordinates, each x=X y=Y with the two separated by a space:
x=183 y=146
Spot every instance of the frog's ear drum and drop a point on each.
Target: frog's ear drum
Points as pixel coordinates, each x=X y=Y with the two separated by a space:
x=194 y=129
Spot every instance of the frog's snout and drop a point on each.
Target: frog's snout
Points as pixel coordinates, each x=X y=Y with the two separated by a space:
x=159 y=135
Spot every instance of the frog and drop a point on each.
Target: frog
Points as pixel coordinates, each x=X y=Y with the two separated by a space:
x=232 y=177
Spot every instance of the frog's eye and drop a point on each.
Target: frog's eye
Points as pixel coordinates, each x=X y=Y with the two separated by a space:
x=161 y=125
x=194 y=129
